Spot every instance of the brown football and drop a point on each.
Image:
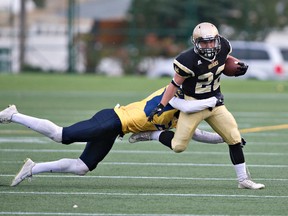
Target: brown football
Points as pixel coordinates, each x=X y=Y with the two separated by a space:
x=231 y=66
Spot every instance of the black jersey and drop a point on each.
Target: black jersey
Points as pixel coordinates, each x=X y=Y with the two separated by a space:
x=202 y=76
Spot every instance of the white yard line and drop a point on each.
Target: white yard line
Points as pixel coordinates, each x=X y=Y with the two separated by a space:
x=101 y=214
x=143 y=177
x=140 y=194
x=144 y=152
x=172 y=164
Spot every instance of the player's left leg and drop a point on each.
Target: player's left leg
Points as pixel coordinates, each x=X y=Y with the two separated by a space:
x=96 y=151
x=7 y=114
x=65 y=165
x=93 y=153
x=223 y=122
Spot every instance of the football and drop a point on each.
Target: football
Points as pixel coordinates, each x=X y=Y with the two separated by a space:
x=231 y=66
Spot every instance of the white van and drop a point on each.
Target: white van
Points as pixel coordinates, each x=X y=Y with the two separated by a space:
x=265 y=60
x=284 y=52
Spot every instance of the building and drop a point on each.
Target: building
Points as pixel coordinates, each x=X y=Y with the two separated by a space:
x=48 y=34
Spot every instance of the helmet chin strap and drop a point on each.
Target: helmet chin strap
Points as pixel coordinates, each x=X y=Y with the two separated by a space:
x=208 y=59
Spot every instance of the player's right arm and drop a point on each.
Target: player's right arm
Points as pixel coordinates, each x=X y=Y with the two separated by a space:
x=172 y=88
x=167 y=96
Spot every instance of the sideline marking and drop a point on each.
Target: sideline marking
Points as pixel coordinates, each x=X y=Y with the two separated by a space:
x=265 y=128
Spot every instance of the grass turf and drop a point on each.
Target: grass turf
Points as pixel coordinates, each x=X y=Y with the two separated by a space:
x=145 y=178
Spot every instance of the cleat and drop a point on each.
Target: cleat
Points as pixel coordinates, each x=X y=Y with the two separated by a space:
x=249 y=184
x=142 y=136
x=6 y=114
x=25 y=172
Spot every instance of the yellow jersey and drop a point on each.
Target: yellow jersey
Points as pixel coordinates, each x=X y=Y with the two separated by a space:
x=134 y=116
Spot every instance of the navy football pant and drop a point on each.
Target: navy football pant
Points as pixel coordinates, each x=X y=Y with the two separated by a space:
x=99 y=132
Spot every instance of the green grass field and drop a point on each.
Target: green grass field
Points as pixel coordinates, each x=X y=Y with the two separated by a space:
x=145 y=179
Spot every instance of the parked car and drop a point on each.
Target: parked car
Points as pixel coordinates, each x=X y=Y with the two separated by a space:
x=265 y=60
x=157 y=67
x=284 y=52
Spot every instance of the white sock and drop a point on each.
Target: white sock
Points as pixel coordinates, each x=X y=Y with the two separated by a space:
x=65 y=165
x=207 y=137
x=241 y=171
x=42 y=126
x=155 y=135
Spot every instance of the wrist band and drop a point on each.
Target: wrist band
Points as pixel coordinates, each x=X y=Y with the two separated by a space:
x=160 y=105
x=175 y=84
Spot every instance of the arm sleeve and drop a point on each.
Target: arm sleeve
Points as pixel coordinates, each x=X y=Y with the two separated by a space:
x=192 y=106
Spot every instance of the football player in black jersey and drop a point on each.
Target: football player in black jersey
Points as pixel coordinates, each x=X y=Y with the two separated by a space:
x=198 y=71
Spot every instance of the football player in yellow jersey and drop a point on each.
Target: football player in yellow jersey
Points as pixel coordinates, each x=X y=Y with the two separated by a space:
x=101 y=131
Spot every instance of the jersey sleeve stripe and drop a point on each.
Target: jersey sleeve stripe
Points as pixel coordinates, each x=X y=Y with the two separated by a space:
x=182 y=70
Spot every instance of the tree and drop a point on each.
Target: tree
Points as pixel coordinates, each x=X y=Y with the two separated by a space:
x=246 y=19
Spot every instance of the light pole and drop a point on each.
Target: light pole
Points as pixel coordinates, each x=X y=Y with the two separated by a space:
x=71 y=48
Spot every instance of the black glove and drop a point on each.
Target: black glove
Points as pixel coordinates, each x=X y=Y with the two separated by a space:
x=157 y=110
x=220 y=99
x=242 y=69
